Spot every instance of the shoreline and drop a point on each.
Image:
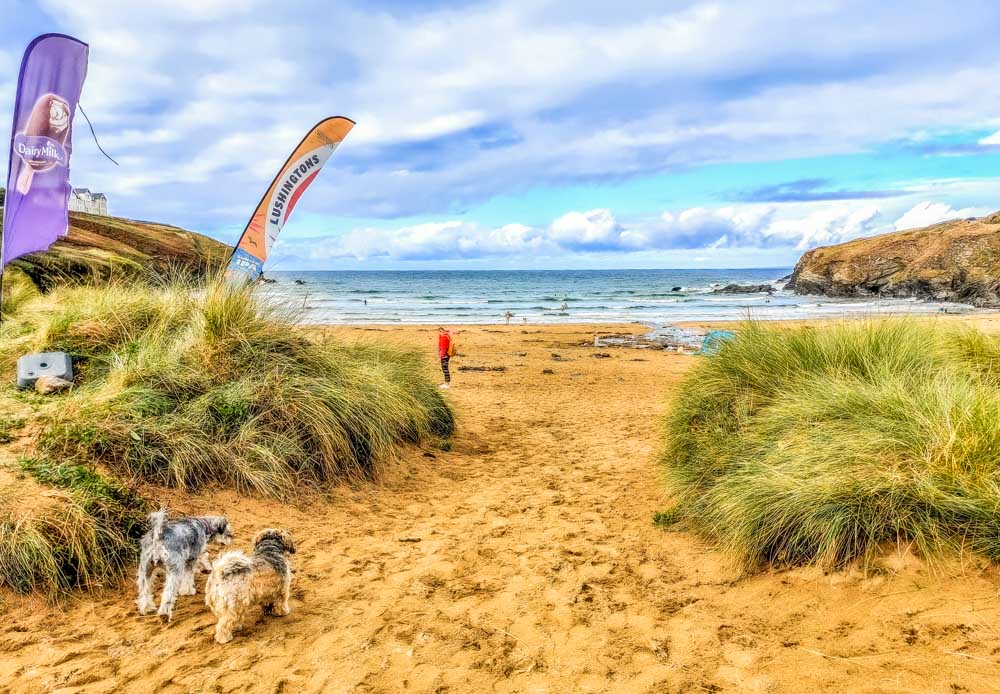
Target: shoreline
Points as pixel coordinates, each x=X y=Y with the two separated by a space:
x=985 y=316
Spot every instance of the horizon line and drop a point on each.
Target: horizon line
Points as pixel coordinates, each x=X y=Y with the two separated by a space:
x=624 y=269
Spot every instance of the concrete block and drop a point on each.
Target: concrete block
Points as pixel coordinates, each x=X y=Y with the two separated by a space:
x=31 y=366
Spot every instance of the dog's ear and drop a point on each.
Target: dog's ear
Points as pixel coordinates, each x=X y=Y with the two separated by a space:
x=287 y=540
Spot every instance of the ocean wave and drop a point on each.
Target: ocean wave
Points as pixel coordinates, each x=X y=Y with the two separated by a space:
x=736 y=299
x=415 y=298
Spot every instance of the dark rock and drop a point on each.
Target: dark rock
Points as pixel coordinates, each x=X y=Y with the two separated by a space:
x=300 y=281
x=676 y=289
x=745 y=289
x=548 y=372
x=482 y=368
x=601 y=355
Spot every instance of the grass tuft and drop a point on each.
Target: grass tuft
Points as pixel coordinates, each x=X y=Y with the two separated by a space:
x=819 y=445
x=8 y=426
x=80 y=533
x=17 y=291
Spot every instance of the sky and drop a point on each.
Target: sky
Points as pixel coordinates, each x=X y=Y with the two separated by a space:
x=537 y=134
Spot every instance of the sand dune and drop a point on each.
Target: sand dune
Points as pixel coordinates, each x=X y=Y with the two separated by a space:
x=525 y=560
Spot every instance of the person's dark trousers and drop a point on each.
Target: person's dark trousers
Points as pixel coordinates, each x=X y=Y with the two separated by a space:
x=444 y=368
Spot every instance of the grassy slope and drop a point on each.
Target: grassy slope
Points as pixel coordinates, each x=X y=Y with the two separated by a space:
x=820 y=444
x=104 y=247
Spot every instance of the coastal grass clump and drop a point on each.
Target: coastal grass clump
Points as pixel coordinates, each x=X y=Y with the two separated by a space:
x=17 y=290
x=185 y=388
x=65 y=526
x=821 y=444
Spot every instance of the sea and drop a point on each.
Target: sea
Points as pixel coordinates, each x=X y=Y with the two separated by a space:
x=653 y=297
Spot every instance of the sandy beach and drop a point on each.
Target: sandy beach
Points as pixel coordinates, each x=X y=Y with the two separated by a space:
x=524 y=559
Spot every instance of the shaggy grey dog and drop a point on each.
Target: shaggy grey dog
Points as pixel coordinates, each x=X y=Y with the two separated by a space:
x=176 y=548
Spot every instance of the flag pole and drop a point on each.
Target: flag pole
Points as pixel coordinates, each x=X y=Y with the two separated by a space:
x=3 y=227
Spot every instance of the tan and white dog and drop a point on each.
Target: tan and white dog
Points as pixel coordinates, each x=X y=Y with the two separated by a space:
x=243 y=588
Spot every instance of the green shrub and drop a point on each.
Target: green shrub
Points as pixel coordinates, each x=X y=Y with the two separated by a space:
x=821 y=444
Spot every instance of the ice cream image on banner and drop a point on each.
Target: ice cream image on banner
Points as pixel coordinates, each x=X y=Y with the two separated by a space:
x=41 y=145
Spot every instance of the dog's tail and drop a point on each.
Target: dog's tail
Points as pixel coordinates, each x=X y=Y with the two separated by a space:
x=157 y=519
x=232 y=564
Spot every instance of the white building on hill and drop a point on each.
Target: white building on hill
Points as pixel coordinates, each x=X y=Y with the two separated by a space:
x=82 y=200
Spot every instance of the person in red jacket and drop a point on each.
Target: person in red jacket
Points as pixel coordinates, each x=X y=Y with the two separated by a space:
x=444 y=354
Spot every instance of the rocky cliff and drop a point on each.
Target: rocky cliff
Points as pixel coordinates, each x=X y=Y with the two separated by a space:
x=952 y=261
x=102 y=247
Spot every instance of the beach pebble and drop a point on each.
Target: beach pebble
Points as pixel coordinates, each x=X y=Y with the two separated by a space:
x=52 y=384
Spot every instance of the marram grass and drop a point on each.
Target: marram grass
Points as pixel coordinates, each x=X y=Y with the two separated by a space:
x=184 y=388
x=821 y=444
x=17 y=290
x=81 y=532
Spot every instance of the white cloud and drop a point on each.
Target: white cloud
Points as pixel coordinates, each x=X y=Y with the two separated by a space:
x=828 y=225
x=592 y=230
x=993 y=139
x=597 y=231
x=926 y=213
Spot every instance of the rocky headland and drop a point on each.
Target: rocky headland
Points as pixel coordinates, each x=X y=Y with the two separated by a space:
x=955 y=261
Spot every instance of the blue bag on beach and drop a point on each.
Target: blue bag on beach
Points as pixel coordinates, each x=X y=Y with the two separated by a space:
x=713 y=340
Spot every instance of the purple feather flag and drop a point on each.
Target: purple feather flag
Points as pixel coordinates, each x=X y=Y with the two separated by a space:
x=35 y=211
